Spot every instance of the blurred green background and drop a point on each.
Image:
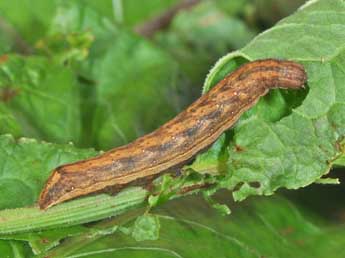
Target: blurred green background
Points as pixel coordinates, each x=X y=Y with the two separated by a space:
x=105 y=81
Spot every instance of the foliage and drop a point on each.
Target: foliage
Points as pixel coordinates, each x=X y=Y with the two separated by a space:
x=82 y=81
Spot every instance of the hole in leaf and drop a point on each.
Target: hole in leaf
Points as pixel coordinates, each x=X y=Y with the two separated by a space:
x=238 y=186
x=255 y=184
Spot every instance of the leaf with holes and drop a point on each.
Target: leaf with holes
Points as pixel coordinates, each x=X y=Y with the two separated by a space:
x=26 y=164
x=286 y=140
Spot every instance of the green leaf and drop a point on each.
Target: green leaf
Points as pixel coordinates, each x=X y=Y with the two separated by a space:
x=297 y=146
x=79 y=16
x=6 y=41
x=42 y=97
x=204 y=27
x=165 y=191
x=8 y=122
x=25 y=166
x=43 y=241
x=331 y=181
x=146 y=227
x=223 y=209
x=103 y=8
x=214 y=160
x=13 y=249
x=24 y=15
x=190 y=229
x=130 y=13
x=130 y=73
x=233 y=7
x=108 y=90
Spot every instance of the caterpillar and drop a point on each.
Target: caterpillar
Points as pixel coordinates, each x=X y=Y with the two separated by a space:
x=178 y=140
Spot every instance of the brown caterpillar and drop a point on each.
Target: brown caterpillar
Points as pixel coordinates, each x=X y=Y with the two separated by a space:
x=178 y=140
